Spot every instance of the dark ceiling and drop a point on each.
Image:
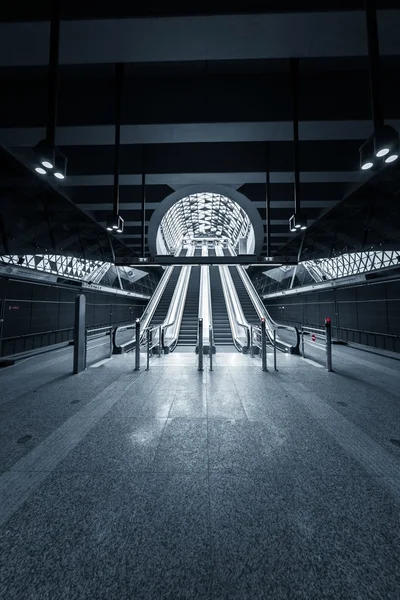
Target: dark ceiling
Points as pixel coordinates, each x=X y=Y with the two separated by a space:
x=204 y=96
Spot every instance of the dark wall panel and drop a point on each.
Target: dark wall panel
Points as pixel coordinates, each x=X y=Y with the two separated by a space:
x=365 y=308
x=372 y=309
x=31 y=308
x=347 y=307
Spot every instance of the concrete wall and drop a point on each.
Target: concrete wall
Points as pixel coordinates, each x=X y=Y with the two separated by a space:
x=37 y=315
x=357 y=313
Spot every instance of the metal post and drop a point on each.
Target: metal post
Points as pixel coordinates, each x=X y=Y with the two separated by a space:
x=251 y=342
x=52 y=91
x=302 y=342
x=80 y=334
x=111 y=343
x=374 y=66
x=210 y=343
x=328 y=344
x=159 y=341
x=137 y=347
x=294 y=67
x=200 y=367
x=119 y=79
x=143 y=190
x=148 y=351
x=268 y=200
x=263 y=346
x=275 y=369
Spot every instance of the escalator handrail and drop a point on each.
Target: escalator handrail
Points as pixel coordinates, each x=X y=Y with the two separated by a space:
x=178 y=301
x=262 y=311
x=227 y=285
x=150 y=309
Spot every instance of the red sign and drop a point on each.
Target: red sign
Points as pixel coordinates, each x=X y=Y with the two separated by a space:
x=313 y=337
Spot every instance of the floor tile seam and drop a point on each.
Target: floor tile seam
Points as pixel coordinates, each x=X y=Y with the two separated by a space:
x=212 y=543
x=354 y=382
x=175 y=393
x=150 y=390
x=372 y=453
x=40 y=389
x=33 y=368
x=165 y=425
x=257 y=474
x=237 y=392
x=19 y=491
x=391 y=371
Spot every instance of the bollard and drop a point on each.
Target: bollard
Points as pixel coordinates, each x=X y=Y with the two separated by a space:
x=148 y=351
x=137 y=347
x=275 y=369
x=302 y=343
x=159 y=342
x=328 y=343
x=251 y=342
x=210 y=343
x=80 y=335
x=200 y=367
x=263 y=346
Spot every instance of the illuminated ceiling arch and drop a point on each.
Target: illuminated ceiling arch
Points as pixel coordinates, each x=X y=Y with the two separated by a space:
x=195 y=212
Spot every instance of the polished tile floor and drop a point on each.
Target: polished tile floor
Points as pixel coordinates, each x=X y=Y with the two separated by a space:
x=179 y=484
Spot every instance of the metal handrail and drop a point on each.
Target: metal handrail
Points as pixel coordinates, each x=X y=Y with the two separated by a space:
x=228 y=290
x=156 y=297
x=211 y=344
x=18 y=337
x=180 y=305
x=105 y=329
x=263 y=313
x=150 y=345
x=313 y=329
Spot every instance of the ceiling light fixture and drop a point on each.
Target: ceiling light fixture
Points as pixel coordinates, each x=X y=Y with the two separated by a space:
x=115 y=223
x=382 y=147
x=298 y=220
x=48 y=159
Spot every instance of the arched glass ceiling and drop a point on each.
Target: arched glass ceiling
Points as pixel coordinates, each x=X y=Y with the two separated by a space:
x=203 y=216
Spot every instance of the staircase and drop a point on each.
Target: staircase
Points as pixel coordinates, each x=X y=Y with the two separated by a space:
x=188 y=331
x=165 y=300
x=222 y=328
x=249 y=311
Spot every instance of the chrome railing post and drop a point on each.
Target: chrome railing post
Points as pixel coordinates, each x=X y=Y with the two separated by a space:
x=200 y=345
x=210 y=344
x=148 y=350
x=302 y=342
x=251 y=342
x=137 y=347
x=328 y=342
x=275 y=369
x=159 y=342
x=263 y=346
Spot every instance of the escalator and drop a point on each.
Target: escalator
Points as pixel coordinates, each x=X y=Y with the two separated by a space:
x=188 y=330
x=249 y=311
x=162 y=308
x=221 y=325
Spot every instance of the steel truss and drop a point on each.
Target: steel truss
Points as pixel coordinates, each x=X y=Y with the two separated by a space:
x=354 y=263
x=204 y=215
x=63 y=266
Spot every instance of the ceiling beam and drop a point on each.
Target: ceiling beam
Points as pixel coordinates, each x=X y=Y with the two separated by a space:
x=183 y=179
x=182 y=133
x=227 y=37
